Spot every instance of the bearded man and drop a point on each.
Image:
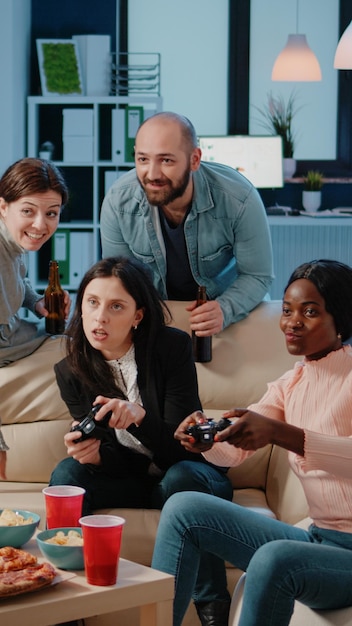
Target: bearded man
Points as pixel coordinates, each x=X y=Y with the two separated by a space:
x=192 y=223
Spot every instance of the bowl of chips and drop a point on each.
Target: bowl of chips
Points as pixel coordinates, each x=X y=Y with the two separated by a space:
x=63 y=547
x=17 y=527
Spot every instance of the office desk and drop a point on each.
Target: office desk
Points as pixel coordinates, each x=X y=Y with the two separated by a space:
x=300 y=239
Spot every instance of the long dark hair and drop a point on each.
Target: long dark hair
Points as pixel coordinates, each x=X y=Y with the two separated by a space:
x=30 y=175
x=87 y=362
x=333 y=280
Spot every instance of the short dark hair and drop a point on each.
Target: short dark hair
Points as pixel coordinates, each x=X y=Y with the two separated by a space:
x=30 y=175
x=333 y=280
x=87 y=362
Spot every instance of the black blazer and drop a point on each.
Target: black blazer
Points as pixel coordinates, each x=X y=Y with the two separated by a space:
x=171 y=395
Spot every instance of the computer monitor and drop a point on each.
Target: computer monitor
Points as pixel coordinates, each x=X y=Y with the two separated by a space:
x=258 y=158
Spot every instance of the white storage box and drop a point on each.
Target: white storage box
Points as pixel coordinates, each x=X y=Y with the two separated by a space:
x=77 y=122
x=77 y=130
x=78 y=149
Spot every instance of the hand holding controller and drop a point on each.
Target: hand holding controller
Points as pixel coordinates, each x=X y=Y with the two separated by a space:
x=204 y=431
x=89 y=427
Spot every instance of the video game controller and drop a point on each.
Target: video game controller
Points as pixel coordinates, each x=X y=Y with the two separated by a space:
x=204 y=432
x=89 y=427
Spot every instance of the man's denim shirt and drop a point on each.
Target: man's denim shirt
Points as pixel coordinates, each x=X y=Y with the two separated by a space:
x=226 y=232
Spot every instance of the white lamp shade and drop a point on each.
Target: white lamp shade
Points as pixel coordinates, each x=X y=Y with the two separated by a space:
x=296 y=62
x=343 y=54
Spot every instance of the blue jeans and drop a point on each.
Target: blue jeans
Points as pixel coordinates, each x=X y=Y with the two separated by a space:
x=283 y=563
x=103 y=491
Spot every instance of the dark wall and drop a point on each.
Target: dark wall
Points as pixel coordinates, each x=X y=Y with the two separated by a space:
x=60 y=19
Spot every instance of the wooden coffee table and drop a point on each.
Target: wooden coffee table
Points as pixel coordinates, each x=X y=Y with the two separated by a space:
x=137 y=586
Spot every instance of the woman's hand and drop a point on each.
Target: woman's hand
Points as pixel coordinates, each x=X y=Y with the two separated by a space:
x=41 y=310
x=67 y=302
x=187 y=441
x=86 y=451
x=3 y=459
x=252 y=431
x=124 y=413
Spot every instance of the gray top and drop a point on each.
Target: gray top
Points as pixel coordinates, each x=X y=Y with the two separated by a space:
x=18 y=337
x=3 y=445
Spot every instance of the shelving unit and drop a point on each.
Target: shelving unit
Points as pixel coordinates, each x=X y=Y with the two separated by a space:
x=107 y=152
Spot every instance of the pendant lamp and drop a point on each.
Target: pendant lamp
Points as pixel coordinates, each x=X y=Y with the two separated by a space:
x=343 y=54
x=296 y=62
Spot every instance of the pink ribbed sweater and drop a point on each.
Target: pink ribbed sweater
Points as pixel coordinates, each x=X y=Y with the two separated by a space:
x=315 y=396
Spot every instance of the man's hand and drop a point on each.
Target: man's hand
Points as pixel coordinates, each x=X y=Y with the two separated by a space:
x=206 y=319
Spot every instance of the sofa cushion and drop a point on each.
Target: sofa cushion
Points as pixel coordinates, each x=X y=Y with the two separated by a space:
x=35 y=449
x=28 y=388
x=246 y=356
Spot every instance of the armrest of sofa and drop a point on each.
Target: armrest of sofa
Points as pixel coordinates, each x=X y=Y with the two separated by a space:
x=284 y=491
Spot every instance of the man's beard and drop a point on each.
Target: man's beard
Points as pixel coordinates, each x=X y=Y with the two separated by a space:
x=166 y=195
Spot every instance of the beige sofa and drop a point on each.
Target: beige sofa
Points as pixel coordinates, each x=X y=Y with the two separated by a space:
x=245 y=357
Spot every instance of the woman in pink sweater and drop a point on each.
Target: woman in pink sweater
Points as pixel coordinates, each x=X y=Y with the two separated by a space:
x=308 y=411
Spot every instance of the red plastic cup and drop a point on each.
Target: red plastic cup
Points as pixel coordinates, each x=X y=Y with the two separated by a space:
x=101 y=547
x=63 y=505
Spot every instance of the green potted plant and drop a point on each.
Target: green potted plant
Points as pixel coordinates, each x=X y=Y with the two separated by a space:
x=311 y=195
x=278 y=116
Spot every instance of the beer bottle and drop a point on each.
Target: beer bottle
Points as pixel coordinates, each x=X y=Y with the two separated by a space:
x=202 y=346
x=54 y=297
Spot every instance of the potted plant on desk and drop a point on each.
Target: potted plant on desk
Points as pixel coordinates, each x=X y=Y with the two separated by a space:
x=312 y=184
x=278 y=116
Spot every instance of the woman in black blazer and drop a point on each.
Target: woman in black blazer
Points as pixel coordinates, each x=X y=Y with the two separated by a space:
x=122 y=356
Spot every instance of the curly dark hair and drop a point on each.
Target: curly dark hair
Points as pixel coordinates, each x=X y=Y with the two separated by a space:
x=87 y=362
x=333 y=280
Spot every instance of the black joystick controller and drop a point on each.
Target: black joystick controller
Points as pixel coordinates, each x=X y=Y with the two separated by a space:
x=204 y=432
x=89 y=427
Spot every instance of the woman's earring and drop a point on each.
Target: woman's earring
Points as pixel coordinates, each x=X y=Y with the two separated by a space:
x=135 y=326
x=339 y=335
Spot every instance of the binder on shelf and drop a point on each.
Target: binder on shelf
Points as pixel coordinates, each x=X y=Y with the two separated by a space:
x=81 y=256
x=110 y=177
x=60 y=252
x=118 y=136
x=133 y=119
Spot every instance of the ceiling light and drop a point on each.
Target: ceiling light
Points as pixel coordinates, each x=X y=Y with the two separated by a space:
x=343 y=54
x=296 y=62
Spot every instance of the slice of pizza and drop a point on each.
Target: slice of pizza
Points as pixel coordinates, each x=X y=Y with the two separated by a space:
x=15 y=559
x=32 y=578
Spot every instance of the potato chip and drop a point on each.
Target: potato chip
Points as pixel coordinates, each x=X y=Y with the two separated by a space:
x=73 y=538
x=11 y=518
